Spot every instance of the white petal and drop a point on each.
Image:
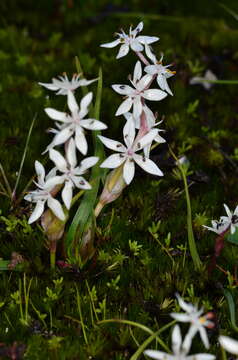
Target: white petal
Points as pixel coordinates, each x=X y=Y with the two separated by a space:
x=38 y=211
x=147 y=165
x=72 y=103
x=128 y=171
x=129 y=132
x=63 y=136
x=85 y=102
x=138 y=28
x=124 y=107
x=112 y=144
x=229 y=344
x=236 y=211
x=147 y=39
x=93 y=124
x=67 y=194
x=52 y=182
x=200 y=357
x=111 y=44
x=144 y=82
x=137 y=107
x=154 y=94
x=123 y=51
x=51 y=173
x=40 y=172
x=81 y=183
x=137 y=72
x=159 y=139
x=149 y=53
x=147 y=139
x=228 y=211
x=154 y=354
x=58 y=159
x=49 y=86
x=113 y=161
x=176 y=339
x=180 y=317
x=123 y=89
x=71 y=153
x=151 y=69
x=56 y=208
x=136 y=46
x=80 y=141
x=184 y=305
x=204 y=337
x=87 y=163
x=56 y=115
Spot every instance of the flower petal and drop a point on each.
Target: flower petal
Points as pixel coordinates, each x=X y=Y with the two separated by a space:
x=228 y=211
x=129 y=132
x=128 y=171
x=154 y=94
x=123 y=51
x=229 y=344
x=80 y=141
x=81 y=183
x=86 y=164
x=180 y=317
x=112 y=144
x=52 y=182
x=111 y=44
x=136 y=46
x=67 y=194
x=204 y=337
x=123 y=89
x=176 y=339
x=146 y=139
x=137 y=72
x=154 y=354
x=40 y=172
x=147 y=39
x=124 y=107
x=56 y=208
x=144 y=82
x=85 y=102
x=63 y=136
x=56 y=115
x=137 y=107
x=72 y=103
x=71 y=153
x=147 y=165
x=49 y=86
x=38 y=211
x=113 y=161
x=151 y=69
x=58 y=159
x=93 y=124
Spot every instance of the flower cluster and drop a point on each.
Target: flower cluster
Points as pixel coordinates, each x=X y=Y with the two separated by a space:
x=66 y=174
x=225 y=222
x=198 y=323
x=140 y=128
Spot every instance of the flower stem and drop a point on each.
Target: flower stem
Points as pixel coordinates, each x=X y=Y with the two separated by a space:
x=52 y=254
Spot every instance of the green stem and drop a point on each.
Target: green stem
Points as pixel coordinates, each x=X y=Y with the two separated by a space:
x=52 y=254
x=81 y=315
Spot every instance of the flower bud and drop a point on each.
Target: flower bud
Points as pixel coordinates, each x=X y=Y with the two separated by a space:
x=53 y=226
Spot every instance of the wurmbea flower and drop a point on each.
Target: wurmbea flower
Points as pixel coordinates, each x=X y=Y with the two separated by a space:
x=72 y=173
x=229 y=344
x=136 y=43
x=127 y=154
x=198 y=322
x=162 y=72
x=209 y=75
x=63 y=84
x=180 y=350
x=134 y=96
x=74 y=123
x=225 y=222
x=46 y=185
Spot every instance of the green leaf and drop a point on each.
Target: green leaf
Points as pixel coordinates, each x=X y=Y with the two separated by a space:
x=232 y=238
x=231 y=306
x=84 y=216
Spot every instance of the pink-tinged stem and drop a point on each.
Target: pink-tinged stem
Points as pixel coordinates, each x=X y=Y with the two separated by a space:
x=142 y=58
x=219 y=245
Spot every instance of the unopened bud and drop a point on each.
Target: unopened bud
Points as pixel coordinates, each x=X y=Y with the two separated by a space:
x=53 y=226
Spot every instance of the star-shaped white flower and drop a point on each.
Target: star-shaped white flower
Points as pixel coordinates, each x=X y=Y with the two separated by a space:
x=198 y=322
x=72 y=173
x=131 y=41
x=127 y=154
x=134 y=95
x=231 y=218
x=209 y=75
x=225 y=222
x=43 y=194
x=229 y=344
x=74 y=123
x=180 y=351
x=63 y=84
x=162 y=72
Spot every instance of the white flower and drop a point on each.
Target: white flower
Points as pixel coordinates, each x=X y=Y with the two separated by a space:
x=63 y=84
x=127 y=154
x=202 y=80
x=140 y=90
x=136 y=43
x=229 y=344
x=74 y=123
x=42 y=195
x=225 y=222
x=72 y=173
x=162 y=72
x=198 y=321
x=231 y=218
x=179 y=350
